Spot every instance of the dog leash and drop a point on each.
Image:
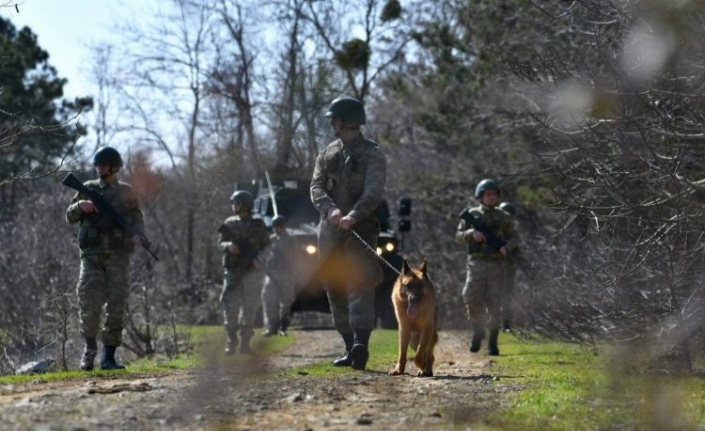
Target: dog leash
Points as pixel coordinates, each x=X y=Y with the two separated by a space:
x=369 y=248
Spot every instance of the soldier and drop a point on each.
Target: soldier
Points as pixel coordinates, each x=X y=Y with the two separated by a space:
x=346 y=188
x=105 y=257
x=241 y=238
x=506 y=300
x=486 y=268
x=278 y=290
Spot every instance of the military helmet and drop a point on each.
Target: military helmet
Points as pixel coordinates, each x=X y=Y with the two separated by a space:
x=486 y=184
x=508 y=208
x=348 y=109
x=278 y=220
x=108 y=155
x=244 y=198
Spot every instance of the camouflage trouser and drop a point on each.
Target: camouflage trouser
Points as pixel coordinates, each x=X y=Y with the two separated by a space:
x=351 y=273
x=277 y=297
x=484 y=288
x=240 y=299
x=103 y=280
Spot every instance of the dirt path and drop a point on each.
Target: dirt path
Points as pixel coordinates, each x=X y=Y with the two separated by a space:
x=257 y=396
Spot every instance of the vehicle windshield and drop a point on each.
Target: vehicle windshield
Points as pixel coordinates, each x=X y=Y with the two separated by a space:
x=293 y=204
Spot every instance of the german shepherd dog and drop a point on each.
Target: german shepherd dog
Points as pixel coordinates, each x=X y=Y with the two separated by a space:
x=415 y=305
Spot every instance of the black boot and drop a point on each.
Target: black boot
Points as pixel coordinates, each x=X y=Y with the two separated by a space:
x=245 y=346
x=107 y=360
x=345 y=360
x=477 y=336
x=230 y=348
x=269 y=332
x=90 y=351
x=359 y=352
x=283 y=327
x=506 y=327
x=492 y=348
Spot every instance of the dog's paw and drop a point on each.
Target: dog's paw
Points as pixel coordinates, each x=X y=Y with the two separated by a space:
x=422 y=373
x=396 y=372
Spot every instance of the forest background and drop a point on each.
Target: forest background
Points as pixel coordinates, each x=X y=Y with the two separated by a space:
x=588 y=113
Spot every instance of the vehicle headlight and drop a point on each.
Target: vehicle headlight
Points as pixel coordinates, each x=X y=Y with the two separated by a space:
x=379 y=251
x=389 y=247
x=311 y=249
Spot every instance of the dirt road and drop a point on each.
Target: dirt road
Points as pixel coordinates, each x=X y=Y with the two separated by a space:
x=258 y=396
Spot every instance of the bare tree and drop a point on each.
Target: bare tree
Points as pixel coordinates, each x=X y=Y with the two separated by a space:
x=171 y=65
x=381 y=42
x=233 y=76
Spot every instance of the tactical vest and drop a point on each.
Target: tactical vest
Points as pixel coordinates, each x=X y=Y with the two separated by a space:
x=346 y=172
x=494 y=224
x=100 y=232
x=246 y=233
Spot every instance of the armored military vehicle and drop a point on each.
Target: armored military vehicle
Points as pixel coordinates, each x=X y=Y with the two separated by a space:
x=292 y=200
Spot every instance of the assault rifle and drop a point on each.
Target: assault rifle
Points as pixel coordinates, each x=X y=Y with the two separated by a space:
x=494 y=243
x=247 y=252
x=106 y=208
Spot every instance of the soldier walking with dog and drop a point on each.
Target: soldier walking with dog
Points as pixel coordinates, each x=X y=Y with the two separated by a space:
x=346 y=188
x=489 y=235
x=105 y=249
x=278 y=292
x=240 y=239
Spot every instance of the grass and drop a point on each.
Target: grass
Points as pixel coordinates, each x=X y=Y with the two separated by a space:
x=560 y=386
x=550 y=386
x=569 y=387
x=207 y=348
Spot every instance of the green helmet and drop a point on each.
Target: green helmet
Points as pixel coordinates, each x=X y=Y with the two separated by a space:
x=486 y=184
x=348 y=109
x=508 y=208
x=279 y=220
x=108 y=155
x=243 y=198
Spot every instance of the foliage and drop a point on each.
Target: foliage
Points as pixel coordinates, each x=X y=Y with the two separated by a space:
x=355 y=54
x=572 y=387
x=35 y=132
x=392 y=10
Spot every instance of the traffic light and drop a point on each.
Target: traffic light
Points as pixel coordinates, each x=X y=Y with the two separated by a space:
x=404 y=214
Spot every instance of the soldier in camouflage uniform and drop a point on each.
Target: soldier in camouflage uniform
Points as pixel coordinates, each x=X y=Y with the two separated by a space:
x=240 y=240
x=486 y=269
x=506 y=301
x=278 y=292
x=105 y=253
x=347 y=187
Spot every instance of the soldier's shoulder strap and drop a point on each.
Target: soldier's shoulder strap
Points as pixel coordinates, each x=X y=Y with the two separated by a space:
x=92 y=184
x=332 y=148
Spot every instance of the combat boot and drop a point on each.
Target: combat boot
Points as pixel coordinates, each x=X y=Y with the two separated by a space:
x=283 y=327
x=231 y=347
x=359 y=352
x=492 y=348
x=269 y=333
x=107 y=360
x=245 y=346
x=477 y=336
x=345 y=360
x=90 y=351
x=506 y=327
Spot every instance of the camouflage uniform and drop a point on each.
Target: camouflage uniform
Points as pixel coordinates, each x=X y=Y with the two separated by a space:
x=242 y=280
x=350 y=177
x=278 y=291
x=486 y=272
x=105 y=251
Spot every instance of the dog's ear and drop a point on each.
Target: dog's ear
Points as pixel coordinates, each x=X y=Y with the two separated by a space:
x=422 y=269
x=405 y=268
